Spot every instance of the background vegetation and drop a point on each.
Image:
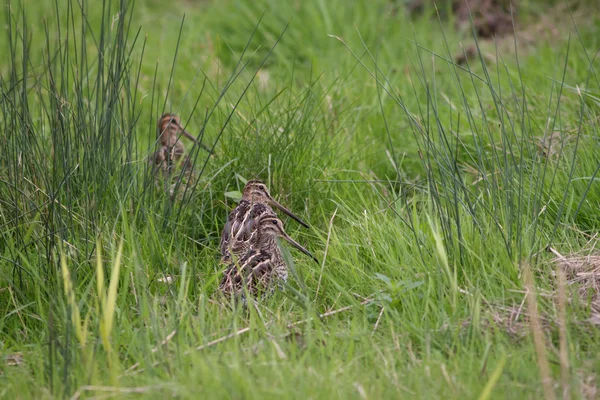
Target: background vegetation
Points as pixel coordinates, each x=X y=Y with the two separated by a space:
x=447 y=178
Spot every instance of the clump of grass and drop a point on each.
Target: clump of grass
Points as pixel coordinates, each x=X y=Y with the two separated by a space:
x=485 y=178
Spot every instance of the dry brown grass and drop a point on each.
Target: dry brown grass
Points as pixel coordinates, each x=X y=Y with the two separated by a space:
x=537 y=332
x=513 y=320
x=589 y=386
x=583 y=274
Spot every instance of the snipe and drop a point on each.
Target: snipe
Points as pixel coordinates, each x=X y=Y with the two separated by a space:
x=262 y=266
x=256 y=202
x=171 y=149
x=172 y=155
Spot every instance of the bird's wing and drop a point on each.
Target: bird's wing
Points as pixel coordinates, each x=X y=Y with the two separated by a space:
x=248 y=221
x=253 y=270
x=232 y=226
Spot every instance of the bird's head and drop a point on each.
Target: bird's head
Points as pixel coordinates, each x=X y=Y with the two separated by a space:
x=269 y=225
x=256 y=191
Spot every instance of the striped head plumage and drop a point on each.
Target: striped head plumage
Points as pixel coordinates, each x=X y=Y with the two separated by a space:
x=170 y=129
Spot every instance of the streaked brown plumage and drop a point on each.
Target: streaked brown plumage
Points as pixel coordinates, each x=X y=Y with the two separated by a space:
x=256 y=201
x=263 y=264
x=171 y=154
x=240 y=244
x=172 y=150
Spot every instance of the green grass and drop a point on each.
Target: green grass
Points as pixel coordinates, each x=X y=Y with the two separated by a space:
x=423 y=181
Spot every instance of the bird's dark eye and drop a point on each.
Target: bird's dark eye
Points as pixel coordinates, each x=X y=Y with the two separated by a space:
x=261 y=187
x=274 y=222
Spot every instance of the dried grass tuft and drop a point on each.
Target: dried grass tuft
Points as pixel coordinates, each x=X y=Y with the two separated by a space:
x=584 y=273
x=513 y=320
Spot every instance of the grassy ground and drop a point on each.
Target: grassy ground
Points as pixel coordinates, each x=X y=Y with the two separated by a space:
x=434 y=191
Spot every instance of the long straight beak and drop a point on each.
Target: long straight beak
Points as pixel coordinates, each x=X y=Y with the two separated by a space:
x=288 y=213
x=299 y=246
x=193 y=138
x=187 y=134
